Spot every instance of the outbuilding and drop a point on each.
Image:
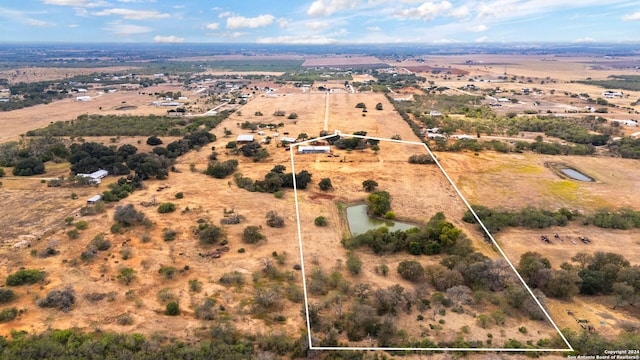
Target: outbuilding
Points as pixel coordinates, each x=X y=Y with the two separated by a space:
x=314 y=149
x=244 y=138
x=94 y=199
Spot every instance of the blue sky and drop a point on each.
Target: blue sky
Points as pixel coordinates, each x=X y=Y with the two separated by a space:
x=320 y=21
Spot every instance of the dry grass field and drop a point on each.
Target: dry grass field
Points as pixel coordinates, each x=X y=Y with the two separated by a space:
x=32 y=74
x=510 y=181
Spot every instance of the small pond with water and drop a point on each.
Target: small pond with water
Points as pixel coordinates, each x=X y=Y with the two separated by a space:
x=360 y=222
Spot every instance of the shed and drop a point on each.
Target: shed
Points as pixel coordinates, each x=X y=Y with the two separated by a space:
x=288 y=139
x=94 y=199
x=244 y=138
x=314 y=149
x=83 y=98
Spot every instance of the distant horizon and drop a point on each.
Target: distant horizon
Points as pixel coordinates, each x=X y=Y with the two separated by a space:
x=322 y=22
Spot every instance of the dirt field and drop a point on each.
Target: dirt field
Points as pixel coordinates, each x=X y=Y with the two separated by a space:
x=53 y=73
x=418 y=191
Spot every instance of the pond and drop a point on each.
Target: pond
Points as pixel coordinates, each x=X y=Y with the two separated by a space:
x=360 y=222
x=576 y=175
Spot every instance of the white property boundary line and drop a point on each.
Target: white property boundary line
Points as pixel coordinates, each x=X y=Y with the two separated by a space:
x=495 y=243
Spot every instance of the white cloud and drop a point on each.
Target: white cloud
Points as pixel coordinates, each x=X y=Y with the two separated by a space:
x=73 y=26
x=283 y=23
x=479 y=28
x=319 y=8
x=37 y=23
x=233 y=34
x=482 y=39
x=212 y=26
x=632 y=17
x=76 y=3
x=119 y=29
x=446 y=41
x=133 y=14
x=459 y=13
x=237 y=22
x=427 y=11
x=312 y=40
x=167 y=39
x=316 y=25
x=178 y=6
x=225 y=14
x=374 y=28
x=136 y=1
x=585 y=40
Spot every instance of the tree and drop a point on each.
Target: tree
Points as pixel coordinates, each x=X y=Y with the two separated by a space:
x=303 y=136
x=292 y=116
x=379 y=106
x=29 y=166
x=127 y=275
x=379 y=203
x=563 y=284
x=623 y=294
x=61 y=299
x=154 y=140
x=369 y=185
x=172 y=309
x=320 y=221
x=410 y=270
x=1 y=172
x=325 y=184
x=531 y=263
x=252 y=235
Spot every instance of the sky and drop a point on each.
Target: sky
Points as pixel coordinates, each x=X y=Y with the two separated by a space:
x=320 y=21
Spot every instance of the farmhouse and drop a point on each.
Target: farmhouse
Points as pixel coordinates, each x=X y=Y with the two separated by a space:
x=94 y=199
x=95 y=176
x=314 y=149
x=244 y=138
x=627 y=122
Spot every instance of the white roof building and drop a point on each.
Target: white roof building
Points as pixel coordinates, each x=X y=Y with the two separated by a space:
x=244 y=138
x=314 y=149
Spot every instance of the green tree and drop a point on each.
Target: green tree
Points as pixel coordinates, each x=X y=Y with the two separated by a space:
x=26 y=276
x=369 y=185
x=29 y=166
x=320 y=221
x=379 y=203
x=325 y=184
x=172 y=309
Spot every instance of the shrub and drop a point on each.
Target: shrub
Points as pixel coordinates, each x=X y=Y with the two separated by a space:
x=292 y=116
x=81 y=225
x=154 y=140
x=410 y=270
x=6 y=295
x=220 y=170
x=8 y=314
x=195 y=285
x=390 y=215
x=232 y=278
x=127 y=275
x=169 y=234
x=421 y=159
x=369 y=185
x=128 y=215
x=274 y=220
x=29 y=166
x=22 y=277
x=100 y=243
x=179 y=195
x=320 y=221
x=59 y=299
x=173 y=309
x=241 y=250
x=252 y=235
x=124 y=319
x=205 y=311
x=73 y=234
x=167 y=271
x=210 y=234
x=379 y=203
x=166 y=208
x=354 y=264
x=165 y=295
